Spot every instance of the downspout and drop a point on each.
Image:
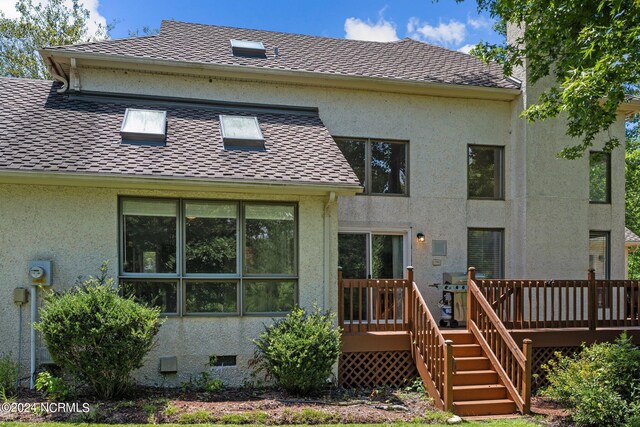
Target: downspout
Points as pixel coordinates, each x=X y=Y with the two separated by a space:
x=58 y=75
x=327 y=249
x=34 y=309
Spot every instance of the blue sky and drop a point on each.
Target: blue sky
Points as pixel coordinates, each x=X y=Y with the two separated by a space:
x=447 y=23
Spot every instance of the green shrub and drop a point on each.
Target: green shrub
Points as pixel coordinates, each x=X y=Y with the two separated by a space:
x=97 y=336
x=299 y=350
x=54 y=388
x=203 y=382
x=8 y=376
x=600 y=384
x=197 y=417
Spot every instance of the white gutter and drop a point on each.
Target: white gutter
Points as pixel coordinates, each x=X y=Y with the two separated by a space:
x=299 y=76
x=57 y=74
x=171 y=183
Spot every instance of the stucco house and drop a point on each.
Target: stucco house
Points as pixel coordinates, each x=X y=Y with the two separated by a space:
x=225 y=173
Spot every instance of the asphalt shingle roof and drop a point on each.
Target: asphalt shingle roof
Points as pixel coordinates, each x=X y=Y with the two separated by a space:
x=41 y=130
x=630 y=236
x=405 y=59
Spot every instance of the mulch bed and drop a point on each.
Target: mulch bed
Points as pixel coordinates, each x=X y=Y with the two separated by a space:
x=240 y=406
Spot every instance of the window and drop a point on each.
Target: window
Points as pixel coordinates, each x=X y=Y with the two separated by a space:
x=241 y=132
x=599 y=260
x=381 y=166
x=599 y=177
x=599 y=253
x=144 y=126
x=485 y=172
x=485 y=251
x=248 y=48
x=370 y=255
x=210 y=257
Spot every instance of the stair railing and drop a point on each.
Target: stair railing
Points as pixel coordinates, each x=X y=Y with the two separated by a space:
x=433 y=355
x=512 y=364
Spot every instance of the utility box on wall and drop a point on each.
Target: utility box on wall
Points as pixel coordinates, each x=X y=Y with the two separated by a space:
x=40 y=273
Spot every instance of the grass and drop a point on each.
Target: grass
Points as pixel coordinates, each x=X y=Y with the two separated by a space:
x=497 y=423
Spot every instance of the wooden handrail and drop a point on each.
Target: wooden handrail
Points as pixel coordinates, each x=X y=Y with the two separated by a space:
x=497 y=324
x=432 y=354
x=550 y=304
x=512 y=366
x=373 y=304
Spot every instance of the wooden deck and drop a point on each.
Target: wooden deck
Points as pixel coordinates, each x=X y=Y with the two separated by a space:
x=513 y=327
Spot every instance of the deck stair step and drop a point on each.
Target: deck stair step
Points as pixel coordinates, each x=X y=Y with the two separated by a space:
x=479 y=392
x=467 y=350
x=459 y=337
x=473 y=363
x=484 y=407
x=475 y=378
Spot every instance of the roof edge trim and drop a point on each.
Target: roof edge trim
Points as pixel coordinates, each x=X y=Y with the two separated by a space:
x=480 y=92
x=171 y=183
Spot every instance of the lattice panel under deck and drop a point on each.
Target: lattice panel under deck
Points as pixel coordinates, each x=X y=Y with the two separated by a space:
x=541 y=356
x=374 y=369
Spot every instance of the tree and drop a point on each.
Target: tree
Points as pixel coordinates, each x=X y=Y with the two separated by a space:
x=632 y=195
x=51 y=23
x=590 y=49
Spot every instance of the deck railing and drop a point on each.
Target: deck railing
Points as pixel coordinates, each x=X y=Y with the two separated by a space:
x=548 y=304
x=432 y=353
x=373 y=304
x=397 y=305
x=512 y=364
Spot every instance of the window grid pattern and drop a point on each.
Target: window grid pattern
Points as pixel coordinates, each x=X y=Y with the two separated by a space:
x=171 y=288
x=382 y=166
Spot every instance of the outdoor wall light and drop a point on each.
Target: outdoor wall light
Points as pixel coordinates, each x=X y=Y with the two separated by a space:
x=420 y=237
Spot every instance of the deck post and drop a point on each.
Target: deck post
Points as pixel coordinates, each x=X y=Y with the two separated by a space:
x=471 y=277
x=527 y=349
x=408 y=293
x=340 y=299
x=448 y=376
x=592 y=311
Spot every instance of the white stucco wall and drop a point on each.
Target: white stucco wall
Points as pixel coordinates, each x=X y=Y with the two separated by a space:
x=546 y=214
x=77 y=229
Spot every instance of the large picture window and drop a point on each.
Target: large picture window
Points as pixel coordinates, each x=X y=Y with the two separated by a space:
x=381 y=166
x=485 y=251
x=485 y=172
x=209 y=257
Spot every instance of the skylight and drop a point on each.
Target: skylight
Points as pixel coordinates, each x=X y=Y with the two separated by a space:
x=241 y=131
x=248 y=48
x=144 y=126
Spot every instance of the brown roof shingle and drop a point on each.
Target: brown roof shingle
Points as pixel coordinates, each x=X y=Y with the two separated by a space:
x=405 y=59
x=41 y=130
x=631 y=237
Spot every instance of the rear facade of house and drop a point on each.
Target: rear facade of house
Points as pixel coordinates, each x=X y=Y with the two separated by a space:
x=226 y=181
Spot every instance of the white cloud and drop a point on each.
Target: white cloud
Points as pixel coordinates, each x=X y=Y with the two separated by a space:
x=466 y=48
x=8 y=7
x=451 y=33
x=381 y=31
x=479 y=22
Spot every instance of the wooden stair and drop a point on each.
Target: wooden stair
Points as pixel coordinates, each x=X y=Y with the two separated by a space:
x=477 y=388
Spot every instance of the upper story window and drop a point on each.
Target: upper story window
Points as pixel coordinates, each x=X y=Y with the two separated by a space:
x=381 y=166
x=599 y=177
x=209 y=257
x=485 y=172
